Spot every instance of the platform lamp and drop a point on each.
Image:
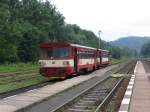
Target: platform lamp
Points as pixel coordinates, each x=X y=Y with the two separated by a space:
x=99 y=33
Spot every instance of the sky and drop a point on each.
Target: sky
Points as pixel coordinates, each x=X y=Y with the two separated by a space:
x=115 y=18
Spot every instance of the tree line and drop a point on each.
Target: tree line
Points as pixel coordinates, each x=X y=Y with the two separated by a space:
x=26 y=23
x=145 y=50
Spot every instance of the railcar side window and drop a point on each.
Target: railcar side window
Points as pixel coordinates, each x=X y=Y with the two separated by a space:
x=85 y=54
x=104 y=54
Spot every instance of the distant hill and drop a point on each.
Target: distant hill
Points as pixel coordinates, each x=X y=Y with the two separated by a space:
x=132 y=42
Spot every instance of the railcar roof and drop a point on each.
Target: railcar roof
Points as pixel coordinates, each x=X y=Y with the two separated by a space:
x=76 y=45
x=70 y=44
x=103 y=50
x=67 y=44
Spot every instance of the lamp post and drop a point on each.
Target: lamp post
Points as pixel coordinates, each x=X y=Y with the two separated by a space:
x=99 y=33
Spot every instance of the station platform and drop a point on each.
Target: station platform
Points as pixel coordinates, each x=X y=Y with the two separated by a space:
x=137 y=96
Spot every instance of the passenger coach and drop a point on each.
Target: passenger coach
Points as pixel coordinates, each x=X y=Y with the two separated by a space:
x=64 y=59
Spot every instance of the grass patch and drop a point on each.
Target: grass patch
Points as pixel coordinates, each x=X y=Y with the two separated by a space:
x=17 y=67
x=10 y=79
x=116 y=61
x=13 y=82
x=23 y=83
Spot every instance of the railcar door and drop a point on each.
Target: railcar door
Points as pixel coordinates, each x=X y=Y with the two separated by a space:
x=75 y=59
x=101 y=56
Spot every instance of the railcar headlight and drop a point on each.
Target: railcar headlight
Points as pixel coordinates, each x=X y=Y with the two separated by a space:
x=41 y=63
x=66 y=63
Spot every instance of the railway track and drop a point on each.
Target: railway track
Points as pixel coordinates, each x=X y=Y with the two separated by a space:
x=56 y=101
x=94 y=98
x=128 y=68
x=113 y=102
x=97 y=97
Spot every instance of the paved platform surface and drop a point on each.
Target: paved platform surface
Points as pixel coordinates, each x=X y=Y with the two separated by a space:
x=140 y=100
x=23 y=100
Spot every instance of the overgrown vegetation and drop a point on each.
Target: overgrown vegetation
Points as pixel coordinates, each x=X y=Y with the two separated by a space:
x=26 y=23
x=20 y=81
x=18 y=67
x=145 y=50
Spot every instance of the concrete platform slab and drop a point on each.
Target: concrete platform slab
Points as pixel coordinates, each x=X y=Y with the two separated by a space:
x=25 y=98
x=11 y=105
x=140 y=100
x=7 y=108
x=41 y=95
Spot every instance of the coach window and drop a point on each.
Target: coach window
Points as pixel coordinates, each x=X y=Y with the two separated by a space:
x=85 y=54
x=104 y=54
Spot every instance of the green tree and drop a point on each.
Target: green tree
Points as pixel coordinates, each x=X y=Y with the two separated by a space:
x=26 y=23
x=27 y=49
x=145 y=50
x=7 y=43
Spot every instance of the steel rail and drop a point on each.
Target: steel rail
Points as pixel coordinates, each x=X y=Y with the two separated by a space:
x=75 y=98
x=108 y=97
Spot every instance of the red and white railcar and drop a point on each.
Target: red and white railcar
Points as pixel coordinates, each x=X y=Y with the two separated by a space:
x=63 y=59
x=105 y=57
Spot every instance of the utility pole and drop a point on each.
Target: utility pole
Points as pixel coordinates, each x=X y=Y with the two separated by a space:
x=99 y=33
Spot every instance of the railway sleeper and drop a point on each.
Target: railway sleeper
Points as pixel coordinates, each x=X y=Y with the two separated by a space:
x=79 y=110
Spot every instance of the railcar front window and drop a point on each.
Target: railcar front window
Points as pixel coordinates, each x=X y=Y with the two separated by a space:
x=45 y=53
x=59 y=53
x=54 y=53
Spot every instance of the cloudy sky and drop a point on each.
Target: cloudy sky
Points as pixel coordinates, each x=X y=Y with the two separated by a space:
x=116 y=18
